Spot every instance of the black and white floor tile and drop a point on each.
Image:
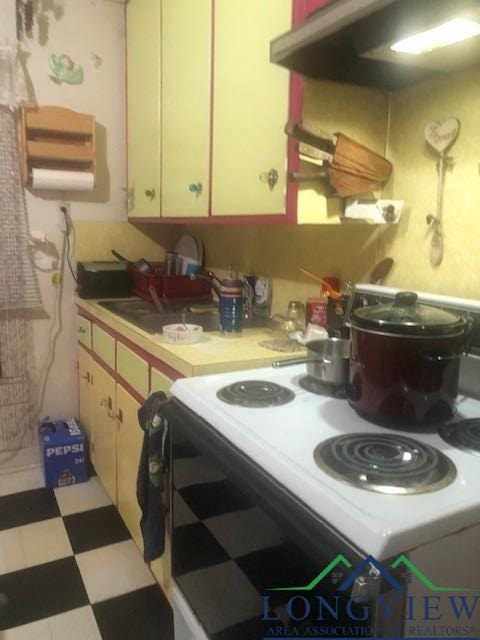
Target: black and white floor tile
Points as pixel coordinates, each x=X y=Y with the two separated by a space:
x=69 y=568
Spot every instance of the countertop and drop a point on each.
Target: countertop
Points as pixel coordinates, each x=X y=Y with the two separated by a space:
x=216 y=353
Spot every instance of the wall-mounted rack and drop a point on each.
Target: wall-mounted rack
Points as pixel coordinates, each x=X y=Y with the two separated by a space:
x=56 y=139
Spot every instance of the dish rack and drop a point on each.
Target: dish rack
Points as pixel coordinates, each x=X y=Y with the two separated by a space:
x=167 y=287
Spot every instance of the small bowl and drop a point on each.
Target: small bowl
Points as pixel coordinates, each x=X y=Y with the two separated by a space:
x=182 y=333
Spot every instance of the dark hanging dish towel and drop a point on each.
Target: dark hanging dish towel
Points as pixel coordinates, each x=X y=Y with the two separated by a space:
x=150 y=479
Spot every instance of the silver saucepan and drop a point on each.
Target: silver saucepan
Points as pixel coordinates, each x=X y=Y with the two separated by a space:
x=327 y=361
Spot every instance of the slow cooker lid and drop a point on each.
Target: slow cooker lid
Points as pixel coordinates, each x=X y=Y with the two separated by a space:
x=406 y=316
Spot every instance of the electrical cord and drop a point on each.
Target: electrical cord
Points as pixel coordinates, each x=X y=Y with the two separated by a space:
x=68 y=228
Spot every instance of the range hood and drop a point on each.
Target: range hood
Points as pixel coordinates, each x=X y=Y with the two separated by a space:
x=350 y=41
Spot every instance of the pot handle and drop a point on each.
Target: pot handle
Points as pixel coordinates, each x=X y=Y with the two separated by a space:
x=438 y=359
x=286 y=363
x=471 y=333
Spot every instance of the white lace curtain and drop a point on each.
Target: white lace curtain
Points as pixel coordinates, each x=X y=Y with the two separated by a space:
x=13 y=85
x=19 y=290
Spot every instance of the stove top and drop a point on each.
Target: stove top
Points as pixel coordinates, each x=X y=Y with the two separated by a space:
x=282 y=440
x=309 y=383
x=392 y=464
x=464 y=435
x=255 y=393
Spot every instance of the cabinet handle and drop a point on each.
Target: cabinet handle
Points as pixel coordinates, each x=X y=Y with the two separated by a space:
x=117 y=416
x=196 y=188
x=270 y=177
x=150 y=193
x=106 y=403
x=86 y=377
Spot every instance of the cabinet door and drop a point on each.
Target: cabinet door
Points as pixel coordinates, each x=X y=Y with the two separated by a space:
x=84 y=331
x=250 y=108
x=85 y=378
x=129 y=447
x=104 y=429
x=160 y=381
x=143 y=104
x=186 y=70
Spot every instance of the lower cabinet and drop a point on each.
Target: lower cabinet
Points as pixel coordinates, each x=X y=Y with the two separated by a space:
x=108 y=414
x=85 y=386
x=129 y=447
x=161 y=568
x=103 y=448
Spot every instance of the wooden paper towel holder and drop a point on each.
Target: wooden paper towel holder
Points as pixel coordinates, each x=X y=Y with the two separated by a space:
x=56 y=138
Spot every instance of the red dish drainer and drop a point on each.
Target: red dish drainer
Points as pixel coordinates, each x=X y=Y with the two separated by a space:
x=167 y=287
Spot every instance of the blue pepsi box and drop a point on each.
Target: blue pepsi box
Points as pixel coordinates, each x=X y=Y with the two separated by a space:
x=64 y=452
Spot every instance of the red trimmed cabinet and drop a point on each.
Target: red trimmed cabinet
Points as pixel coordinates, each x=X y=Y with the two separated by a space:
x=114 y=378
x=206 y=111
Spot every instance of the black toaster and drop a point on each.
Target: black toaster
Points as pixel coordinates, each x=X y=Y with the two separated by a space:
x=103 y=280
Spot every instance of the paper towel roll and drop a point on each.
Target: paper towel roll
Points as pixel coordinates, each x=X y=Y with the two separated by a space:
x=62 y=180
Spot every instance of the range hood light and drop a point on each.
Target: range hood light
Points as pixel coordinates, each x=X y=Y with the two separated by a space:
x=445 y=34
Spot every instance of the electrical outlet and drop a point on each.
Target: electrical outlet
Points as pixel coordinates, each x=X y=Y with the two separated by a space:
x=63 y=206
x=63 y=210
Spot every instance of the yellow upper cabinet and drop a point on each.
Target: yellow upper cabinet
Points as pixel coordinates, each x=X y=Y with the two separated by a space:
x=250 y=108
x=144 y=100
x=186 y=70
x=206 y=108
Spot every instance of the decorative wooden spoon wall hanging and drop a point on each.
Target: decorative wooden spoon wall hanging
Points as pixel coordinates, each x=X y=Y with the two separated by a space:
x=440 y=136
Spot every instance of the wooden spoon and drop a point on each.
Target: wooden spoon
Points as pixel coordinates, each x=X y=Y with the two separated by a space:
x=328 y=288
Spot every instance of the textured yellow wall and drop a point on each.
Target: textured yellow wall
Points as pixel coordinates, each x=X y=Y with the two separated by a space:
x=415 y=181
x=95 y=240
x=277 y=252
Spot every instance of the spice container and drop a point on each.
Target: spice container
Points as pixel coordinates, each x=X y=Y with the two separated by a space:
x=317 y=311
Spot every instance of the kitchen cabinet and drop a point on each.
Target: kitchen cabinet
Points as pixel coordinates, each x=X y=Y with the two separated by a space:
x=103 y=345
x=212 y=125
x=85 y=383
x=84 y=331
x=129 y=447
x=133 y=369
x=103 y=450
x=108 y=414
x=144 y=101
x=250 y=109
x=186 y=68
x=160 y=381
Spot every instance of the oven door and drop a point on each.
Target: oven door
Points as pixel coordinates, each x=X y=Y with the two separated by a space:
x=237 y=534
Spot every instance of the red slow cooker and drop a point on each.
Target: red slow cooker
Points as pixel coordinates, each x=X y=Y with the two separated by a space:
x=405 y=360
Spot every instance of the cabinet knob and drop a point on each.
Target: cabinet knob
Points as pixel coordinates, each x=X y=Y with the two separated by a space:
x=270 y=177
x=196 y=188
x=82 y=330
x=150 y=193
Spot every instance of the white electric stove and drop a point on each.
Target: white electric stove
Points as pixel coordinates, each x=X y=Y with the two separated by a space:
x=282 y=440
x=274 y=476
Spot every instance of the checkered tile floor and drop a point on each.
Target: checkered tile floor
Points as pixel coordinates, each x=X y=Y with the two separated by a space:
x=69 y=569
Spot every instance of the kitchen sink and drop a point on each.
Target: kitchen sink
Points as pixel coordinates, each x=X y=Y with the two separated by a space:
x=145 y=315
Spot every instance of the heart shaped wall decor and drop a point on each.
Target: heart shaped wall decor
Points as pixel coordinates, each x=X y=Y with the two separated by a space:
x=441 y=135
